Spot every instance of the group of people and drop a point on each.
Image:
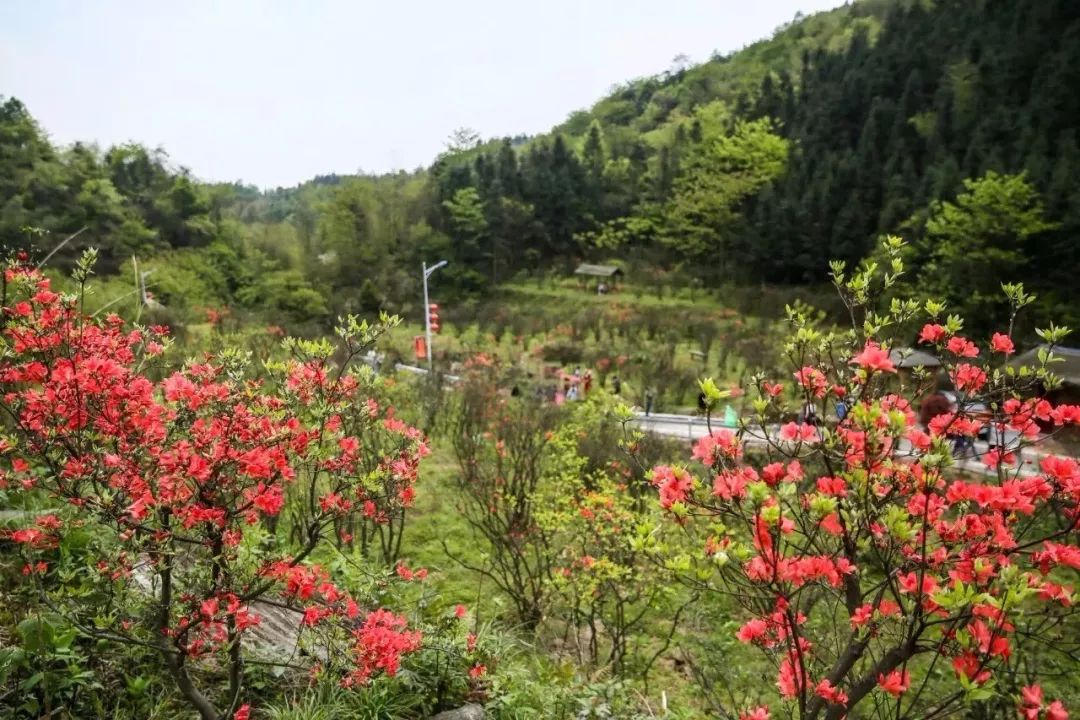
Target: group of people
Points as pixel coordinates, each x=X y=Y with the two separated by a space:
x=809 y=414
x=942 y=402
x=568 y=387
x=938 y=403
x=574 y=387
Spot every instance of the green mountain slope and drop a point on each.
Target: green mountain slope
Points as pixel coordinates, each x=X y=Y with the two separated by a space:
x=755 y=167
x=884 y=109
x=647 y=104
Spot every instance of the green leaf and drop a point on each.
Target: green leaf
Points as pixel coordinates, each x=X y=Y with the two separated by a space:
x=36 y=633
x=31 y=682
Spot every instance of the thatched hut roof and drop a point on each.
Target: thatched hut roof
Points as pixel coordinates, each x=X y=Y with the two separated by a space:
x=608 y=271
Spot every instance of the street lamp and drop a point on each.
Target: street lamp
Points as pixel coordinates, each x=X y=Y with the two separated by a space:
x=142 y=286
x=427 y=307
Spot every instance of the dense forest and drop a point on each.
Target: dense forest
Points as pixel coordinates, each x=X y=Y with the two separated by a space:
x=950 y=123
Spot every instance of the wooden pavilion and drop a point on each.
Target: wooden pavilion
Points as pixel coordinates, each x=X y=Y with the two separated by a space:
x=604 y=274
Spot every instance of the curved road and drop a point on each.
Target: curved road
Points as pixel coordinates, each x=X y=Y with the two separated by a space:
x=694 y=427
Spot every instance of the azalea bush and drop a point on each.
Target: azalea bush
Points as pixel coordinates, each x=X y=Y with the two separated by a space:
x=500 y=444
x=608 y=594
x=559 y=522
x=878 y=576
x=202 y=498
x=379 y=454
x=612 y=605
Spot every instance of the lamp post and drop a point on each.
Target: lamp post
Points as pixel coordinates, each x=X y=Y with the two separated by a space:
x=427 y=308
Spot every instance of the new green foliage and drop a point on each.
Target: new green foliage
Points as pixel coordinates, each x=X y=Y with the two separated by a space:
x=749 y=168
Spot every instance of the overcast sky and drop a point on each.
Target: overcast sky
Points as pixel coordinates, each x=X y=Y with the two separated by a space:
x=272 y=92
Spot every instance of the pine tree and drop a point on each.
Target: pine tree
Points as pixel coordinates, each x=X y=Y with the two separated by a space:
x=593 y=159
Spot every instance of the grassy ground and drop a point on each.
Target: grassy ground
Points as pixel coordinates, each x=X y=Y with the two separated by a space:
x=433 y=521
x=574 y=294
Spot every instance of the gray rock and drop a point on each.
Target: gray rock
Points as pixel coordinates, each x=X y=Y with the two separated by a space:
x=465 y=712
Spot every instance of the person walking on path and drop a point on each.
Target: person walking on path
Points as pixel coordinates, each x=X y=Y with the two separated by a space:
x=650 y=398
x=941 y=403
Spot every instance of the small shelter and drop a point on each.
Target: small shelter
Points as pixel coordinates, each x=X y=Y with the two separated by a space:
x=1068 y=369
x=603 y=273
x=908 y=359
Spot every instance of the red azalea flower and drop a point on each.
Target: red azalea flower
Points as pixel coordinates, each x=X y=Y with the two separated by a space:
x=962 y=347
x=895 y=683
x=1002 y=344
x=933 y=333
x=874 y=357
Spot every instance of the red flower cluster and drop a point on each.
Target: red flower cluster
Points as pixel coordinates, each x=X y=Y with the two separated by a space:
x=1031 y=706
x=888 y=532
x=722 y=442
x=380 y=643
x=178 y=469
x=874 y=357
x=809 y=378
x=896 y=682
x=674 y=484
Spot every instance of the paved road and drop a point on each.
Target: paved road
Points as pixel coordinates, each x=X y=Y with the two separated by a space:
x=693 y=427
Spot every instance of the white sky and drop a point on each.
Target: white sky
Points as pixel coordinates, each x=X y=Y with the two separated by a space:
x=272 y=92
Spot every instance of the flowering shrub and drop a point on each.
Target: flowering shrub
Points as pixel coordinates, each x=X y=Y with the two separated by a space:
x=559 y=522
x=868 y=566
x=189 y=482
x=608 y=587
x=500 y=443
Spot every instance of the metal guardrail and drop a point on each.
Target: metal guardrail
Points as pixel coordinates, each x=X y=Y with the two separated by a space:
x=695 y=425
x=701 y=425
x=672 y=426
x=423 y=371
x=371 y=360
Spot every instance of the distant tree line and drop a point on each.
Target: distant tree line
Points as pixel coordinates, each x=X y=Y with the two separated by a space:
x=950 y=123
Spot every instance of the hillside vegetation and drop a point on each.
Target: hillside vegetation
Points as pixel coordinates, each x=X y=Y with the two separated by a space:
x=750 y=168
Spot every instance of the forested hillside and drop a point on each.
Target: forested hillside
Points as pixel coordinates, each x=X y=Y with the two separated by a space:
x=750 y=168
x=759 y=166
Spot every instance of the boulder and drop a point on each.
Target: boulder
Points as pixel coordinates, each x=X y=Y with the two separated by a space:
x=465 y=712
